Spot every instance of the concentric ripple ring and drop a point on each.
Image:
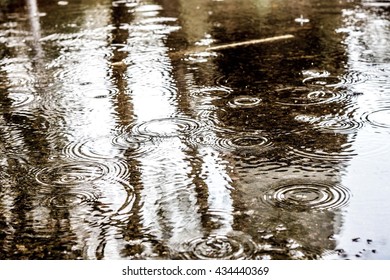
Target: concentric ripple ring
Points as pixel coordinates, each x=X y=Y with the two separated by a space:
x=220 y=247
x=379 y=118
x=167 y=127
x=72 y=198
x=244 y=101
x=303 y=96
x=304 y=196
x=72 y=173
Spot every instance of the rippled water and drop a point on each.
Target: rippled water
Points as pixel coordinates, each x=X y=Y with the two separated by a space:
x=134 y=129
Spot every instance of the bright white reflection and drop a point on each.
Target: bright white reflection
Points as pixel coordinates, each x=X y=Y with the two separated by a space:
x=168 y=199
x=33 y=14
x=367 y=36
x=220 y=204
x=83 y=109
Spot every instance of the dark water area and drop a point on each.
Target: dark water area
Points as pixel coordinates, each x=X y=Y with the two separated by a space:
x=126 y=134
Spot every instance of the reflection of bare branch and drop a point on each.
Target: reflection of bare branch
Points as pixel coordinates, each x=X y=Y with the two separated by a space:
x=250 y=42
x=235 y=45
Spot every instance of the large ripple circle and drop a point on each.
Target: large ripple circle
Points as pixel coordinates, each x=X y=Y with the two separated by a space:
x=303 y=196
x=379 y=118
x=72 y=173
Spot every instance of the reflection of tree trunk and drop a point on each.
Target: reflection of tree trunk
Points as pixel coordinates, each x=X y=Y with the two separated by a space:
x=119 y=37
x=124 y=108
x=33 y=14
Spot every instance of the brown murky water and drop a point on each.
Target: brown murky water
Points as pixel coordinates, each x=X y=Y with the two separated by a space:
x=124 y=134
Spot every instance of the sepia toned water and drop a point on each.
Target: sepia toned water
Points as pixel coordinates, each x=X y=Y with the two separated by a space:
x=134 y=129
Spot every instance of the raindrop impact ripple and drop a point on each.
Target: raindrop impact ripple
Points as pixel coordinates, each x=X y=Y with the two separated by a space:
x=307 y=195
x=232 y=246
x=167 y=127
x=304 y=96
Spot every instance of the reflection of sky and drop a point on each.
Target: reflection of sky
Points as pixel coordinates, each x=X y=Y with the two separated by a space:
x=83 y=105
x=219 y=200
x=367 y=34
x=170 y=209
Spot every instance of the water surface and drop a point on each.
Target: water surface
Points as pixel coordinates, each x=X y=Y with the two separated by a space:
x=125 y=134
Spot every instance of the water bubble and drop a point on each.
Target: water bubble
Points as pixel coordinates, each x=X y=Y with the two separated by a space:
x=307 y=195
x=222 y=247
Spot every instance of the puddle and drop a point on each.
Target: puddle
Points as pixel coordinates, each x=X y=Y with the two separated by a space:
x=194 y=129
